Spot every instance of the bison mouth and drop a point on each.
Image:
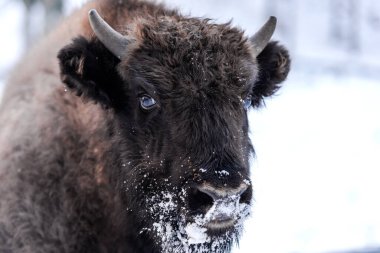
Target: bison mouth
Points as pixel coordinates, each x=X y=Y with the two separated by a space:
x=181 y=224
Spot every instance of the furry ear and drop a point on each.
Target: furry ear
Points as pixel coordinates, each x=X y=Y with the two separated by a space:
x=89 y=70
x=274 y=66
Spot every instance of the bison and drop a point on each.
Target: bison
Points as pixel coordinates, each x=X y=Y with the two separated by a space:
x=135 y=139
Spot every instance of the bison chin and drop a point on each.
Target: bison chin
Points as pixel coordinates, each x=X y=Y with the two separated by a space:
x=180 y=227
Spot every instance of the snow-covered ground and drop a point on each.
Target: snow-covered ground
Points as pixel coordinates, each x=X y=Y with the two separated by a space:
x=316 y=176
x=317 y=171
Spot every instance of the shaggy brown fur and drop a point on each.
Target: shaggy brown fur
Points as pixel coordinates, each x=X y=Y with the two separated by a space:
x=78 y=176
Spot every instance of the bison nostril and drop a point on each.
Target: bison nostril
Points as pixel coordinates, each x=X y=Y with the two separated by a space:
x=246 y=196
x=199 y=202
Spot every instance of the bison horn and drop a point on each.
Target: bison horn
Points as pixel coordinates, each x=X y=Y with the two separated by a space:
x=261 y=38
x=112 y=40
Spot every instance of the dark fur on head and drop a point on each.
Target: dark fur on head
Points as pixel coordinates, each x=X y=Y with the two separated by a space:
x=130 y=175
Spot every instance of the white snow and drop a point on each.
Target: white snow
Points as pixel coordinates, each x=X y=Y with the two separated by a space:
x=222 y=173
x=317 y=168
x=225 y=207
x=180 y=236
x=195 y=233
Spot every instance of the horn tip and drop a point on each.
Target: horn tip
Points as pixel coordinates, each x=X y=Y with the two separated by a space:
x=92 y=13
x=273 y=20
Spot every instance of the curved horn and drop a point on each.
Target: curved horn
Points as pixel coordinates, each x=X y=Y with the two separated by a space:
x=112 y=40
x=262 y=37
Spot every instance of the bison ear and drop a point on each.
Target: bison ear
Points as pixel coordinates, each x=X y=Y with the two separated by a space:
x=89 y=70
x=274 y=66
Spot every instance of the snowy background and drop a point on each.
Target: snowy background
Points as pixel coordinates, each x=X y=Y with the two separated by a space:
x=317 y=172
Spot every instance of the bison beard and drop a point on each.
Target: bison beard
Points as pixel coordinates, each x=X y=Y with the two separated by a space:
x=175 y=232
x=136 y=140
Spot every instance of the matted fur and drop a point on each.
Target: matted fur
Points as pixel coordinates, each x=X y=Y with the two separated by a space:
x=85 y=169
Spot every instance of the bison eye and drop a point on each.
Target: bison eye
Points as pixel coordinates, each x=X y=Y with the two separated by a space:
x=147 y=102
x=247 y=102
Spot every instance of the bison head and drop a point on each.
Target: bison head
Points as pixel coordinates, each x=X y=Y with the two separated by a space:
x=179 y=89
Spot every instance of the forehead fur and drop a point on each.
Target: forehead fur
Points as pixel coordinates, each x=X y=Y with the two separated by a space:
x=194 y=53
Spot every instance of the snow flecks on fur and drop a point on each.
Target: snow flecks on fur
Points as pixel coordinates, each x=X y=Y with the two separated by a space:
x=195 y=234
x=247 y=182
x=222 y=173
x=177 y=235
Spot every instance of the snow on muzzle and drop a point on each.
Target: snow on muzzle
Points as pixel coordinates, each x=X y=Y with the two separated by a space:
x=222 y=207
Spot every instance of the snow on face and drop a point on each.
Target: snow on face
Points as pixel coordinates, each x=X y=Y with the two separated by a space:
x=177 y=235
x=195 y=234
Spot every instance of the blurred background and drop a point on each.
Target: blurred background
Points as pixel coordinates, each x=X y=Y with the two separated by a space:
x=316 y=174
